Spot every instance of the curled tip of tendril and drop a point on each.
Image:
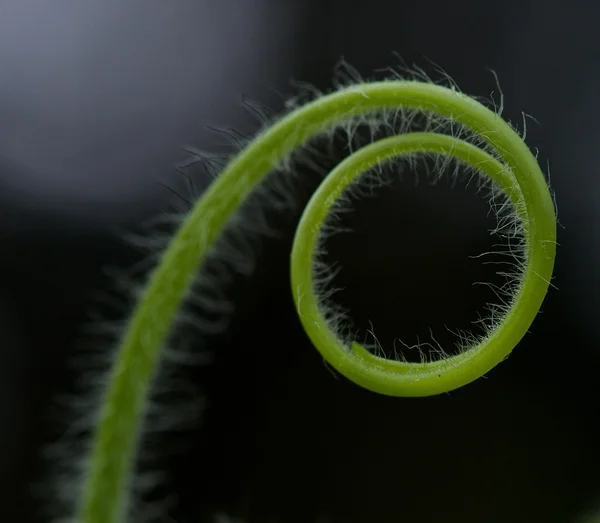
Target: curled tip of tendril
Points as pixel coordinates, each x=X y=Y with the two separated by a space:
x=499 y=154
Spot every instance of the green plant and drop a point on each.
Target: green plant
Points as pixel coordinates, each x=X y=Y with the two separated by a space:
x=479 y=138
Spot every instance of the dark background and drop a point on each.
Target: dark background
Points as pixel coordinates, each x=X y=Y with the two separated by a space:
x=96 y=101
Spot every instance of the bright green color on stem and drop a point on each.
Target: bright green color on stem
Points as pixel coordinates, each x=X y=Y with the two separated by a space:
x=110 y=463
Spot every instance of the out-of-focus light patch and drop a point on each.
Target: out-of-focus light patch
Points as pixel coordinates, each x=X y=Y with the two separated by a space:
x=96 y=98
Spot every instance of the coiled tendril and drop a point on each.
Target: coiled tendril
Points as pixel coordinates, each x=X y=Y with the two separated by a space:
x=504 y=158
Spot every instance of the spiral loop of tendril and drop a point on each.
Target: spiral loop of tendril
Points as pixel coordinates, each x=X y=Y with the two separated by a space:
x=504 y=158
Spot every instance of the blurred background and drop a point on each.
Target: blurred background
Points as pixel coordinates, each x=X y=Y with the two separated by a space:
x=97 y=100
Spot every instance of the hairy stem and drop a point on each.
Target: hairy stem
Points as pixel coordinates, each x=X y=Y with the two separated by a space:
x=514 y=169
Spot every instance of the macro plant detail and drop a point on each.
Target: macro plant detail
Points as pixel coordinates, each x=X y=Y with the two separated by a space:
x=456 y=131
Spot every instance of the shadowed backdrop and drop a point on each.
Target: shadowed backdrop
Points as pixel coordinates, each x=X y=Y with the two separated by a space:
x=97 y=100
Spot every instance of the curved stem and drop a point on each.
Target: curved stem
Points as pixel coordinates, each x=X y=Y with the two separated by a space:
x=110 y=462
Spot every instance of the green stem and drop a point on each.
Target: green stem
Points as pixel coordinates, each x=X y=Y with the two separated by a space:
x=106 y=485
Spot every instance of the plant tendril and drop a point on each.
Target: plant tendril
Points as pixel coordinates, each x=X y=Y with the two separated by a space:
x=504 y=158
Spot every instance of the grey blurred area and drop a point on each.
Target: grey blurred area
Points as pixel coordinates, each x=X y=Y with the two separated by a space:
x=97 y=100
x=101 y=96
